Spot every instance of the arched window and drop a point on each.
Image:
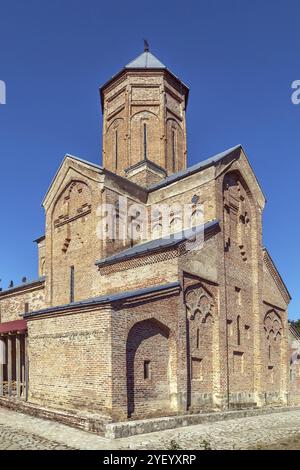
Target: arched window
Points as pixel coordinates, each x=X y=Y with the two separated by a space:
x=175 y=155
x=173 y=150
x=145 y=141
x=115 y=146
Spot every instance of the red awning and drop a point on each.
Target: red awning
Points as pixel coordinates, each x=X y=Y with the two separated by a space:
x=13 y=326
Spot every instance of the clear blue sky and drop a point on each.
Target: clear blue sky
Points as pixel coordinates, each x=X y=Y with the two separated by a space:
x=238 y=57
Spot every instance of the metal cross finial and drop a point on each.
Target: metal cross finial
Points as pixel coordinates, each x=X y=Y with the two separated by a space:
x=146 y=46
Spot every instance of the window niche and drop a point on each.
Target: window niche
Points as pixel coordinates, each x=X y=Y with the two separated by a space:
x=238 y=362
x=197 y=338
x=230 y=327
x=247 y=330
x=197 y=368
x=72 y=284
x=238 y=296
x=147 y=370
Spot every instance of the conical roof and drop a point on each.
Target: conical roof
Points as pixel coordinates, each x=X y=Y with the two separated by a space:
x=146 y=60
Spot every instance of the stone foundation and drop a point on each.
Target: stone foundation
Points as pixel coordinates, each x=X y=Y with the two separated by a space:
x=86 y=422
x=103 y=426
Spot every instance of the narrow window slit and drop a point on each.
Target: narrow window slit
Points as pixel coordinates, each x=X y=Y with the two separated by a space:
x=146 y=370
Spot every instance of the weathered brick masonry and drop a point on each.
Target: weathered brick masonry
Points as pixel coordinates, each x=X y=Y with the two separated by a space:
x=132 y=329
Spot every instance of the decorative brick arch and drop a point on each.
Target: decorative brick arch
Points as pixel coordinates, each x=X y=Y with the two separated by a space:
x=273 y=329
x=239 y=214
x=150 y=364
x=116 y=145
x=139 y=122
x=198 y=301
x=273 y=324
x=73 y=202
x=200 y=310
x=175 y=150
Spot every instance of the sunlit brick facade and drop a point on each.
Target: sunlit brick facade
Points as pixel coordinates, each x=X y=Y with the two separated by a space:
x=121 y=329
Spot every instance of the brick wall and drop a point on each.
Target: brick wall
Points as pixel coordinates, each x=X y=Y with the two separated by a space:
x=12 y=304
x=69 y=361
x=222 y=336
x=150 y=103
x=147 y=331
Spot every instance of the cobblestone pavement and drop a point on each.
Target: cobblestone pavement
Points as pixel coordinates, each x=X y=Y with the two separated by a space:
x=10 y=439
x=278 y=430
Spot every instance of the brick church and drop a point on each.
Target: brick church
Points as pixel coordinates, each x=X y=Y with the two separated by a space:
x=120 y=327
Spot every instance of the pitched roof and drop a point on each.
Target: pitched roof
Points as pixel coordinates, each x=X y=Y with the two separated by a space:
x=146 y=60
x=276 y=275
x=13 y=326
x=193 y=169
x=105 y=299
x=74 y=158
x=24 y=285
x=40 y=239
x=170 y=179
x=293 y=330
x=157 y=244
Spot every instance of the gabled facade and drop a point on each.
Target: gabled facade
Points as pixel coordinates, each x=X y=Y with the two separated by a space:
x=125 y=327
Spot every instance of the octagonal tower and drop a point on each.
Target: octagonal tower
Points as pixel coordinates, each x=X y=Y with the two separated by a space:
x=144 y=126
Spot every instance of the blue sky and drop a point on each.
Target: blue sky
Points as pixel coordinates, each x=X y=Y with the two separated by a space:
x=239 y=59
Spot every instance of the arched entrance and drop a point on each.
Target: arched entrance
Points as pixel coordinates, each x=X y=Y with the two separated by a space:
x=150 y=369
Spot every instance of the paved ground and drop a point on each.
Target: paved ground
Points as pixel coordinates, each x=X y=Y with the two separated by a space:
x=273 y=431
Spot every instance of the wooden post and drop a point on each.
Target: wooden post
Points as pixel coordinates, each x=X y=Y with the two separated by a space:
x=9 y=364
x=23 y=359
x=18 y=364
x=2 y=362
x=26 y=368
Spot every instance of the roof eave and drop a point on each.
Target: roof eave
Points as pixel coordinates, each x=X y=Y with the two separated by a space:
x=162 y=244
x=104 y=300
x=194 y=169
x=74 y=158
x=25 y=285
x=278 y=273
x=40 y=239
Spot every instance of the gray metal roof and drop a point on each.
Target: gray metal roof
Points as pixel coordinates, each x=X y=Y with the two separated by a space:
x=40 y=239
x=193 y=169
x=293 y=330
x=145 y=61
x=156 y=244
x=23 y=285
x=104 y=299
x=166 y=181
x=72 y=157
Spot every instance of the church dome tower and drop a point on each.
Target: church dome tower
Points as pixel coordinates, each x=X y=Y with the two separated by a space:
x=144 y=127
